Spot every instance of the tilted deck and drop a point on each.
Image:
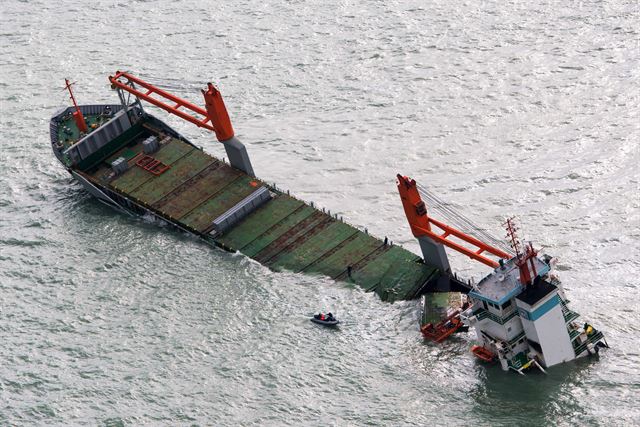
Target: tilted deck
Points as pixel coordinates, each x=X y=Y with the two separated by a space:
x=284 y=233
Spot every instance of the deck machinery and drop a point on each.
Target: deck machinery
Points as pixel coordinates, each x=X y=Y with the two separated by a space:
x=135 y=162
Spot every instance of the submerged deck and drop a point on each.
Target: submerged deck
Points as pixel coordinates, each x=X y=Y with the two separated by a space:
x=284 y=233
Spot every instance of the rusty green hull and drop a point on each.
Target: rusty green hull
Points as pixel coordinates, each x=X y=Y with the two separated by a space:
x=283 y=233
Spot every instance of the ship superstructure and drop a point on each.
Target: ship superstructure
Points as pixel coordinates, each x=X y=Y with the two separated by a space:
x=519 y=311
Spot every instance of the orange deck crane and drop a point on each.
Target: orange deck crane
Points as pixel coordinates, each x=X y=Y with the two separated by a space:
x=213 y=117
x=422 y=226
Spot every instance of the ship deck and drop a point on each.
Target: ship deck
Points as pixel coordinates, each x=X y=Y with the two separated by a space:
x=284 y=233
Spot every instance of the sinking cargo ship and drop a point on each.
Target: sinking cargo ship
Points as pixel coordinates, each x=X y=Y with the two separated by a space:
x=136 y=163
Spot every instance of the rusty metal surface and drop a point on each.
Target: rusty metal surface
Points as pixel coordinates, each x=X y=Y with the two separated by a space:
x=179 y=171
x=260 y=222
x=350 y=252
x=288 y=241
x=135 y=177
x=312 y=247
x=284 y=233
x=202 y=216
x=280 y=228
x=195 y=191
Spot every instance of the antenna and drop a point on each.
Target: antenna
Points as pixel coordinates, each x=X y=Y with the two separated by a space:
x=512 y=235
x=523 y=260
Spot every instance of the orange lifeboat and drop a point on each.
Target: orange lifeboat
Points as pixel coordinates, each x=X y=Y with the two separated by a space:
x=482 y=353
x=443 y=329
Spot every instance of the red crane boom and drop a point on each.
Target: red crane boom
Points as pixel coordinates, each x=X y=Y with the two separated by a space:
x=213 y=117
x=421 y=225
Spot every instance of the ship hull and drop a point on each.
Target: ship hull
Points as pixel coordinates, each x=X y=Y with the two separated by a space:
x=120 y=202
x=206 y=197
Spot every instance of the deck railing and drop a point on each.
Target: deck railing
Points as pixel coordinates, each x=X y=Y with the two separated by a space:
x=484 y=314
x=593 y=338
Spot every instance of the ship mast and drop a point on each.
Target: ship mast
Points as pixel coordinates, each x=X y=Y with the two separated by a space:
x=77 y=115
x=523 y=259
